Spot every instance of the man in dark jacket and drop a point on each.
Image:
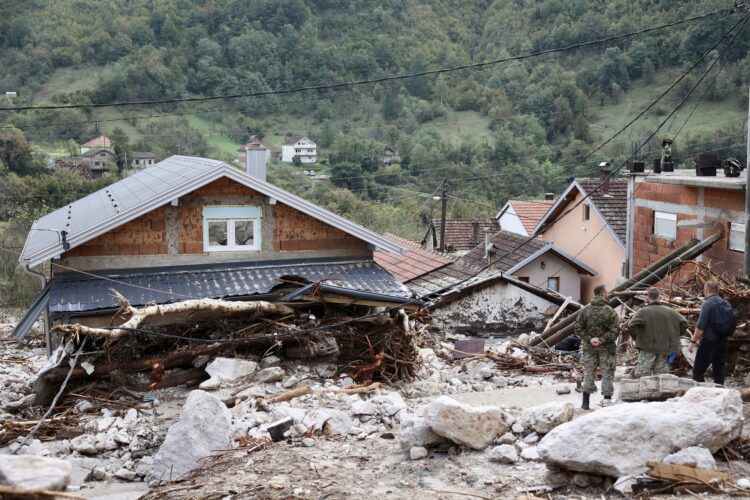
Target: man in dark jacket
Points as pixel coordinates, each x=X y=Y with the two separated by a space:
x=656 y=329
x=598 y=326
x=712 y=349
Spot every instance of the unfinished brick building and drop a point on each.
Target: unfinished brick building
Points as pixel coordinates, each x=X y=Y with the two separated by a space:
x=666 y=210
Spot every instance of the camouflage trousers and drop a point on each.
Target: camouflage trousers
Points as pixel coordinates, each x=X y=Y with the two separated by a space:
x=651 y=364
x=604 y=359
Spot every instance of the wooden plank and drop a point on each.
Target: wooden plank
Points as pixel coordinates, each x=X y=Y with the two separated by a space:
x=674 y=472
x=556 y=315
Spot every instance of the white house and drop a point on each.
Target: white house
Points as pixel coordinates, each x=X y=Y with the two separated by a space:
x=298 y=145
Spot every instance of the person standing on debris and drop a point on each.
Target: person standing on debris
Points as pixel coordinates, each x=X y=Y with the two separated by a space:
x=598 y=327
x=716 y=322
x=656 y=329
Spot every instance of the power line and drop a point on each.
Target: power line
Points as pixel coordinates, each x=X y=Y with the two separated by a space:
x=353 y=83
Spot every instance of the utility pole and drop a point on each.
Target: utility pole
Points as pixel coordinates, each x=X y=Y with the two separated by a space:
x=747 y=193
x=443 y=210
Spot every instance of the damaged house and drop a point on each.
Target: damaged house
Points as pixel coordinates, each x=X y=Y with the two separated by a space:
x=506 y=284
x=195 y=228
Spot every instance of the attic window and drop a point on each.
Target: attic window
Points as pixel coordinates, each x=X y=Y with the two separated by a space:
x=586 y=212
x=227 y=229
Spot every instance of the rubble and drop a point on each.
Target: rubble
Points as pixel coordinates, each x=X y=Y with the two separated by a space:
x=227 y=370
x=544 y=418
x=622 y=438
x=204 y=427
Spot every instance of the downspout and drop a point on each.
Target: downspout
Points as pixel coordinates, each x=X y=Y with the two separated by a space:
x=47 y=332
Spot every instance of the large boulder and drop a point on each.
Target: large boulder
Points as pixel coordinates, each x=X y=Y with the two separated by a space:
x=227 y=370
x=620 y=439
x=416 y=432
x=544 y=418
x=476 y=427
x=32 y=472
x=205 y=425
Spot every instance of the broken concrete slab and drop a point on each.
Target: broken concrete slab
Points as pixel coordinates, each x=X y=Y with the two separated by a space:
x=222 y=370
x=32 y=472
x=205 y=425
x=476 y=427
x=616 y=440
x=694 y=456
x=543 y=418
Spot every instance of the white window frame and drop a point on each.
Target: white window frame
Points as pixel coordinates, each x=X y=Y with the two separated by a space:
x=557 y=279
x=668 y=217
x=231 y=215
x=736 y=228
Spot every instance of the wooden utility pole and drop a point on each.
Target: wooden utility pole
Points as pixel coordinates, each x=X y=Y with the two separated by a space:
x=747 y=193
x=443 y=210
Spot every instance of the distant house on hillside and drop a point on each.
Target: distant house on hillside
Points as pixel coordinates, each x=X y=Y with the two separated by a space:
x=461 y=235
x=301 y=146
x=101 y=142
x=142 y=159
x=390 y=156
x=99 y=162
x=522 y=216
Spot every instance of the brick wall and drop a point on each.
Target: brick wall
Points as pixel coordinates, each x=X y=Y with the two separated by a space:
x=145 y=235
x=685 y=201
x=283 y=228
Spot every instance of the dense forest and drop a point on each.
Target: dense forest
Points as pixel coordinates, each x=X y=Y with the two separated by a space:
x=517 y=129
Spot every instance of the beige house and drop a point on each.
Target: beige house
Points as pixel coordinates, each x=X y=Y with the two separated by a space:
x=594 y=232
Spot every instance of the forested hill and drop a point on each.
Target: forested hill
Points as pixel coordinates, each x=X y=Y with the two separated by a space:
x=513 y=129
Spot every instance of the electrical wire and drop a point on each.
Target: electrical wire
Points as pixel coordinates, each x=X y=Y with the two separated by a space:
x=370 y=81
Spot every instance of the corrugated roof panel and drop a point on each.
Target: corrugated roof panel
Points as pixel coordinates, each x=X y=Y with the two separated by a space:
x=76 y=292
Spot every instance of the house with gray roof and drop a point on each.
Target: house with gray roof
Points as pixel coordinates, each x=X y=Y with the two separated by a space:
x=507 y=284
x=191 y=227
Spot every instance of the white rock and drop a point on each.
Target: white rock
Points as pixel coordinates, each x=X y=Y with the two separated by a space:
x=517 y=428
x=744 y=483
x=726 y=403
x=205 y=425
x=270 y=375
x=390 y=404
x=616 y=440
x=125 y=474
x=269 y=361
x=290 y=382
x=507 y=438
x=415 y=432
x=530 y=453
x=499 y=381
x=504 y=454
x=694 y=456
x=224 y=370
x=476 y=427
x=35 y=472
x=624 y=484
x=84 y=444
x=346 y=382
x=363 y=408
x=308 y=442
x=544 y=418
x=329 y=421
x=532 y=438
x=131 y=416
x=418 y=453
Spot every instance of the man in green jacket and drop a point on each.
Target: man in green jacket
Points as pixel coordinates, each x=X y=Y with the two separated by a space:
x=656 y=329
x=598 y=326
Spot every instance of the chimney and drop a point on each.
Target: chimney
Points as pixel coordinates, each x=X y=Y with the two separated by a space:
x=549 y=196
x=475 y=232
x=256 y=160
x=605 y=173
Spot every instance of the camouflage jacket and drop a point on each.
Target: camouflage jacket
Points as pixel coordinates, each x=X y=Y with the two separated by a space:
x=598 y=320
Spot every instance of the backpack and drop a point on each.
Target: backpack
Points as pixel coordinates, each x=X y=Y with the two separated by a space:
x=725 y=319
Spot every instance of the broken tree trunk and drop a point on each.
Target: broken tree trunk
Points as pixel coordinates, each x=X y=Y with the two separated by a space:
x=138 y=316
x=302 y=391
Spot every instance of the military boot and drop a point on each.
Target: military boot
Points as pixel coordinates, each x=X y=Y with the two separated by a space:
x=585 y=404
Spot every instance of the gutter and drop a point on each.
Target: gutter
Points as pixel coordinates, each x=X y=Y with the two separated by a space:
x=47 y=332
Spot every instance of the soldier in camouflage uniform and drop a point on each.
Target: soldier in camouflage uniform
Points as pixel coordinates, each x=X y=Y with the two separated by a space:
x=598 y=327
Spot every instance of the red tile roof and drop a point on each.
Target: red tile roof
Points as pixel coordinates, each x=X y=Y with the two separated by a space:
x=414 y=263
x=100 y=142
x=531 y=212
x=459 y=233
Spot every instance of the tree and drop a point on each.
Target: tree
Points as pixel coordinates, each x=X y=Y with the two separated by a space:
x=15 y=152
x=296 y=160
